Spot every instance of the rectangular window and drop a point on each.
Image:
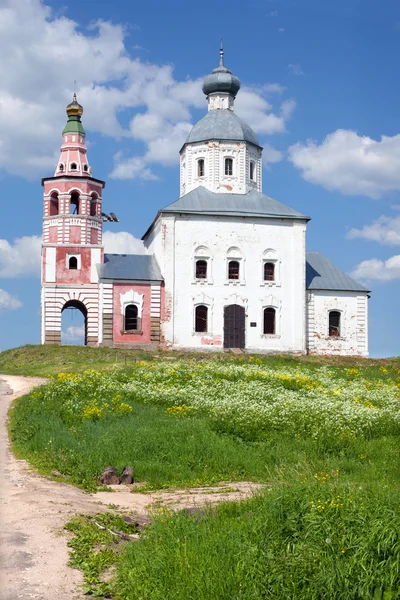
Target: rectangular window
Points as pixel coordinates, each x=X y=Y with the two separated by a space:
x=201 y=269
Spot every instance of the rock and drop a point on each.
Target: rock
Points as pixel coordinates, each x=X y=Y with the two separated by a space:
x=127 y=475
x=109 y=476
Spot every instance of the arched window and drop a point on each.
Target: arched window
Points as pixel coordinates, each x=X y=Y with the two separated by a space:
x=233 y=269
x=54 y=209
x=269 y=271
x=201 y=318
x=85 y=168
x=73 y=263
x=269 y=321
x=93 y=204
x=228 y=166
x=131 y=317
x=73 y=167
x=61 y=167
x=252 y=170
x=74 y=204
x=334 y=323
x=201 y=269
x=200 y=167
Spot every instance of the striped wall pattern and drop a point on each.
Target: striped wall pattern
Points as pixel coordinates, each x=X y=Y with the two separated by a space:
x=106 y=291
x=155 y=313
x=55 y=298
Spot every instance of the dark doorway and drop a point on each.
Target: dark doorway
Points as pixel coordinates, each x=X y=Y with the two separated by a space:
x=74 y=323
x=234 y=320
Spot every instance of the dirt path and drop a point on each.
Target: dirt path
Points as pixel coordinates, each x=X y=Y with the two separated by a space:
x=33 y=510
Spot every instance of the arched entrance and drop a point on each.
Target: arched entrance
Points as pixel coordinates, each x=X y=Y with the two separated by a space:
x=234 y=326
x=74 y=323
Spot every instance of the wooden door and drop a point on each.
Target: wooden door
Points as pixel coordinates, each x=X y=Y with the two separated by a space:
x=234 y=320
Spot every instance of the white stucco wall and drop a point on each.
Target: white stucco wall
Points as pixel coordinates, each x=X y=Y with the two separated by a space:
x=353 y=308
x=175 y=240
x=214 y=153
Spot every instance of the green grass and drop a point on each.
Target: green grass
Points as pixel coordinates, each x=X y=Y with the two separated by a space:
x=303 y=542
x=94 y=549
x=46 y=361
x=322 y=435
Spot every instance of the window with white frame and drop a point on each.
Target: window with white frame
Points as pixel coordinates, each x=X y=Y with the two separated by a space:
x=270 y=268
x=252 y=170
x=201 y=169
x=234 y=266
x=269 y=321
x=334 y=323
x=201 y=318
x=73 y=262
x=228 y=166
x=202 y=265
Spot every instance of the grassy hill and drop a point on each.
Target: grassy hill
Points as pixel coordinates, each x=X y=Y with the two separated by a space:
x=44 y=361
x=321 y=433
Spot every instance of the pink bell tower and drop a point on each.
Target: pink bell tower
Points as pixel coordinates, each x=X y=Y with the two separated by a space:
x=72 y=236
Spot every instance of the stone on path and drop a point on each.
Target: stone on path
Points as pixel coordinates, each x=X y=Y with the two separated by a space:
x=109 y=476
x=127 y=475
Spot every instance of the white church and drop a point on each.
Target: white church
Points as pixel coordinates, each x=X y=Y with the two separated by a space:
x=226 y=266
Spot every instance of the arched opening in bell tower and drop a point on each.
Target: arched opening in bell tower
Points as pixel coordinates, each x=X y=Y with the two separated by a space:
x=54 y=208
x=74 y=203
x=74 y=323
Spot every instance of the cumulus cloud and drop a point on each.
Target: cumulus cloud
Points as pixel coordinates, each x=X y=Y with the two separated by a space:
x=350 y=163
x=271 y=155
x=20 y=258
x=385 y=231
x=72 y=334
x=111 y=84
x=122 y=243
x=9 y=302
x=252 y=107
x=378 y=270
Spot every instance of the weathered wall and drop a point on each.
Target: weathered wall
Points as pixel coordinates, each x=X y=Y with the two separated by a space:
x=353 y=307
x=214 y=178
x=141 y=297
x=177 y=240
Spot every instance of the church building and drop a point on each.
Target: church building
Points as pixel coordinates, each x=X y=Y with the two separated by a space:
x=226 y=266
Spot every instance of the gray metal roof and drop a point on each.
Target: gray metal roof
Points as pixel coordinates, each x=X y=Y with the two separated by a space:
x=253 y=204
x=222 y=124
x=322 y=274
x=143 y=267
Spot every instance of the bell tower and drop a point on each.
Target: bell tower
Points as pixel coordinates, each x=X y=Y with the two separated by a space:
x=72 y=235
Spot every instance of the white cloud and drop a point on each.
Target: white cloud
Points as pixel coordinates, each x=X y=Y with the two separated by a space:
x=271 y=155
x=55 y=51
x=122 y=243
x=385 y=231
x=9 y=302
x=131 y=168
x=295 y=69
x=73 y=334
x=255 y=110
x=21 y=258
x=378 y=270
x=350 y=163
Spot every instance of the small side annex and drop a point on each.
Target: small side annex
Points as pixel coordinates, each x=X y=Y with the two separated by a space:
x=337 y=309
x=131 y=301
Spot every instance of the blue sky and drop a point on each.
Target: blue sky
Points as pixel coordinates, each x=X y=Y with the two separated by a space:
x=319 y=86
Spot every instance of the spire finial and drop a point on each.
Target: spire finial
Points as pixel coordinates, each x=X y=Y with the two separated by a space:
x=221 y=54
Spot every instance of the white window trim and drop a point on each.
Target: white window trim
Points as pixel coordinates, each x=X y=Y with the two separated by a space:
x=242 y=279
x=333 y=337
x=209 y=319
x=277 y=333
x=78 y=257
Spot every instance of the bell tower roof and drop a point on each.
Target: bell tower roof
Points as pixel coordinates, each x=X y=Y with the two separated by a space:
x=74 y=111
